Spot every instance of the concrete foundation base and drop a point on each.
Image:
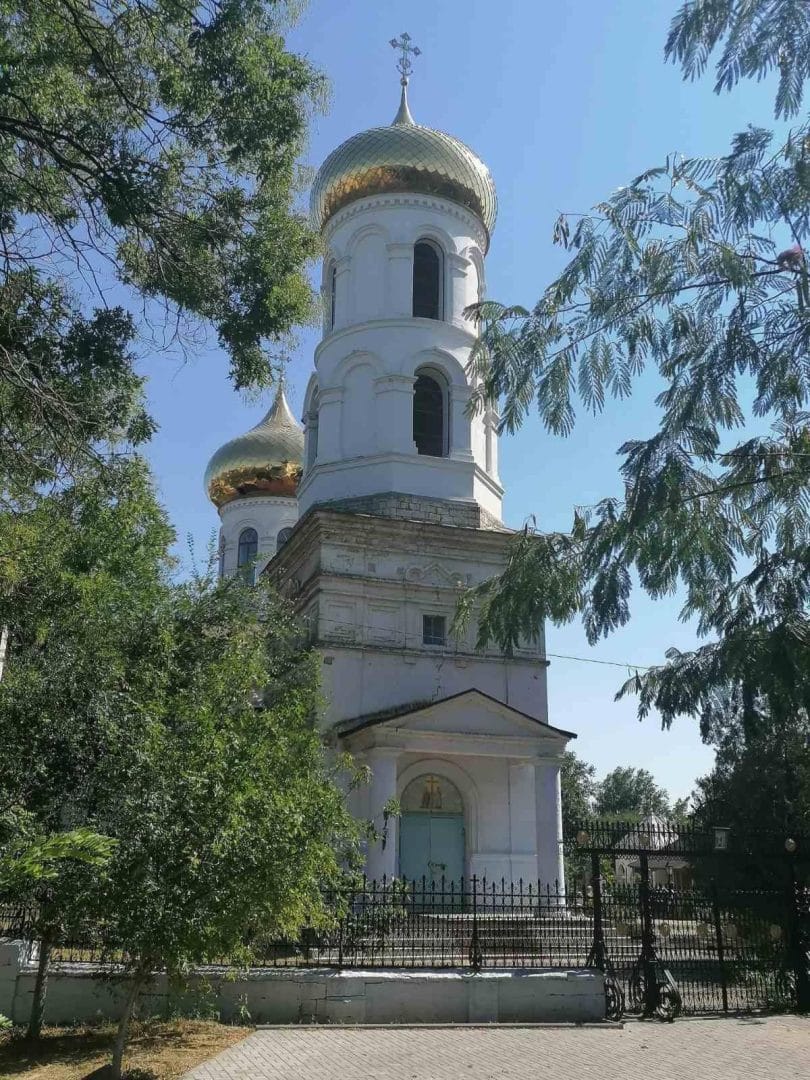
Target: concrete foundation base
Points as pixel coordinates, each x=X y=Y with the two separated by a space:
x=320 y=996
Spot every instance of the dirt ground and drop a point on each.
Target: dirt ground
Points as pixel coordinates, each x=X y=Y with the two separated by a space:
x=157 y=1051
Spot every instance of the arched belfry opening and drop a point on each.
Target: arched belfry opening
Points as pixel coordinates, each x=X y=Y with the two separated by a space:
x=247 y=550
x=431 y=831
x=430 y=414
x=427 y=280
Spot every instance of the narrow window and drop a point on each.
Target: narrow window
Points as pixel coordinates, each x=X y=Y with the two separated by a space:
x=312 y=431
x=221 y=556
x=429 y=426
x=332 y=296
x=248 y=548
x=282 y=538
x=433 y=630
x=427 y=290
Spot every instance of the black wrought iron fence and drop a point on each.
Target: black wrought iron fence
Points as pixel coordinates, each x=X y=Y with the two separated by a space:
x=470 y=923
x=712 y=947
x=663 y=949
x=82 y=942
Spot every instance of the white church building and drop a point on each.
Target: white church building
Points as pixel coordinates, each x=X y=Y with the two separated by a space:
x=387 y=503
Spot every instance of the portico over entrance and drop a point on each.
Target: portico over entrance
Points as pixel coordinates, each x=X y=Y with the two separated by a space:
x=478 y=788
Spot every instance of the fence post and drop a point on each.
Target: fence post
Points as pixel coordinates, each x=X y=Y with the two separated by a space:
x=799 y=941
x=476 y=955
x=721 y=952
x=13 y=954
x=651 y=997
x=343 y=920
x=597 y=957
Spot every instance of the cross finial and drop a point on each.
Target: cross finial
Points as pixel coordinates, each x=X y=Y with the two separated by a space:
x=404 y=65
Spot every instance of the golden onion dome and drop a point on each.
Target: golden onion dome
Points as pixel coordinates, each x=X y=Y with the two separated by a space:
x=404 y=157
x=267 y=460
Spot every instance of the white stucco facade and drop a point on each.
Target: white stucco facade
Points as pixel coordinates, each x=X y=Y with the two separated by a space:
x=367 y=361
x=474 y=718
x=268 y=515
x=400 y=505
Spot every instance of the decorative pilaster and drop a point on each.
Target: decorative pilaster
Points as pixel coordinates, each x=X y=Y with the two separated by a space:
x=460 y=429
x=550 y=866
x=344 y=301
x=382 y=853
x=491 y=421
x=458 y=289
x=330 y=403
x=394 y=394
x=400 y=279
x=522 y=821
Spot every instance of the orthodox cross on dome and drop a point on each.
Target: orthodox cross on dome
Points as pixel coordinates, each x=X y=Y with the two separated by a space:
x=404 y=65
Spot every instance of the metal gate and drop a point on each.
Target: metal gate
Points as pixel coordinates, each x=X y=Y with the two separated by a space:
x=714 y=947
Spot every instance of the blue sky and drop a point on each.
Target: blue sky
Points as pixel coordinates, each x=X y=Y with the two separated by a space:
x=564 y=102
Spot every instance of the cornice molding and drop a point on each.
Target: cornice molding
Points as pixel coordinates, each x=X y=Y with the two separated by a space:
x=322 y=523
x=240 y=503
x=466 y=338
x=396 y=199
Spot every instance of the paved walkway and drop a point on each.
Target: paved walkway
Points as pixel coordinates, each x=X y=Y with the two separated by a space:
x=773 y=1048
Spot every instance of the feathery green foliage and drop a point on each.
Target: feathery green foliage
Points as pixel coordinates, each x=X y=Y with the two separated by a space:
x=26 y=862
x=697 y=269
x=159 y=141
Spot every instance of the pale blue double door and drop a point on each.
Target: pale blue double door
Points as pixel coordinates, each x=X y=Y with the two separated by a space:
x=431 y=846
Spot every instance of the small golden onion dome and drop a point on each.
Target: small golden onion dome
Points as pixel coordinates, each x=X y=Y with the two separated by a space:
x=404 y=157
x=265 y=461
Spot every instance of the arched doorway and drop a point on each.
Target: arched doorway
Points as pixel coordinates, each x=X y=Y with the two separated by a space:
x=431 y=831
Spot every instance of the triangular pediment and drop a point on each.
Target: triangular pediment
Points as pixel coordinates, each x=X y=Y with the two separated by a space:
x=470 y=713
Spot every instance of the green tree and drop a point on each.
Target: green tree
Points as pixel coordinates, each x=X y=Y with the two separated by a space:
x=696 y=268
x=578 y=785
x=231 y=822
x=68 y=390
x=760 y=784
x=82 y=569
x=630 y=793
x=578 y=788
x=160 y=141
x=172 y=724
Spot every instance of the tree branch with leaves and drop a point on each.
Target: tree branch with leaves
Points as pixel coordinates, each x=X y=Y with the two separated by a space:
x=696 y=269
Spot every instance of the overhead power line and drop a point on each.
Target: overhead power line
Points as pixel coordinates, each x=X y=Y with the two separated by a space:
x=400 y=639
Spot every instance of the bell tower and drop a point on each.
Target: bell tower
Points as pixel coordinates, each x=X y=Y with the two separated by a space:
x=406 y=213
x=400 y=504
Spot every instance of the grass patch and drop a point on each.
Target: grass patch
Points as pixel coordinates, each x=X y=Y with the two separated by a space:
x=156 y=1050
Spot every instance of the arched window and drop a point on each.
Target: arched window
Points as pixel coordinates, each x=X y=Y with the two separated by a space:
x=427 y=281
x=248 y=547
x=430 y=415
x=332 y=296
x=282 y=538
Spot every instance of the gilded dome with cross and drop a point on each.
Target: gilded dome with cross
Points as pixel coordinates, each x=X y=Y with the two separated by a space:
x=404 y=157
x=264 y=461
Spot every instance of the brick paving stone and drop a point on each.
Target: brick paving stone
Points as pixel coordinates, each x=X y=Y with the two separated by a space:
x=755 y=1048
